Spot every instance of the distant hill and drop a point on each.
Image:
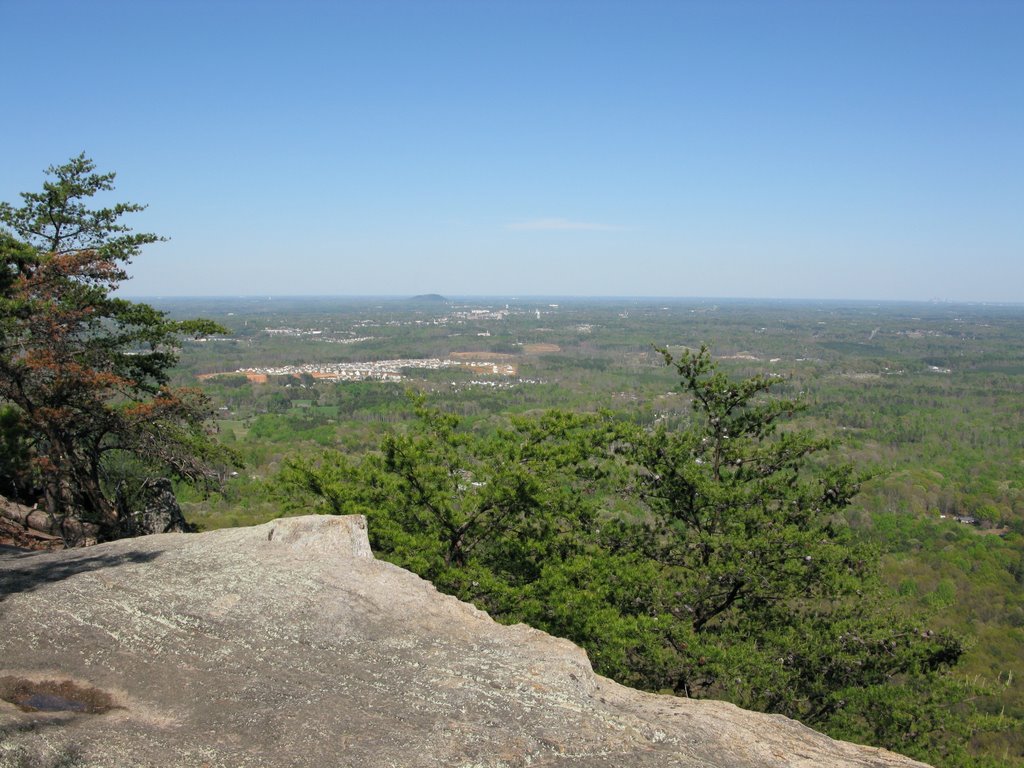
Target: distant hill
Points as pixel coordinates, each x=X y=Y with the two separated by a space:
x=430 y=298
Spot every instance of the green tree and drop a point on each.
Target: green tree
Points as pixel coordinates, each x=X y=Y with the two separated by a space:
x=481 y=516
x=739 y=528
x=773 y=604
x=86 y=373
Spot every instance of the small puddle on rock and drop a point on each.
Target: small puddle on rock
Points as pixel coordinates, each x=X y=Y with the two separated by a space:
x=54 y=696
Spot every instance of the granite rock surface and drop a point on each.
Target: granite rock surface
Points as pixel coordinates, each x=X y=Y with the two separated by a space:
x=288 y=644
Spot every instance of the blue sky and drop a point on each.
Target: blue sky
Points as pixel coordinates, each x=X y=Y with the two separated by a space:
x=823 y=149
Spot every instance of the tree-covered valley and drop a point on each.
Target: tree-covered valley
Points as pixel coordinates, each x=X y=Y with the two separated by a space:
x=920 y=400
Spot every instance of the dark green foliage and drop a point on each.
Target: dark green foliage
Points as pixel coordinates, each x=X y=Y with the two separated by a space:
x=773 y=604
x=480 y=516
x=57 y=220
x=15 y=459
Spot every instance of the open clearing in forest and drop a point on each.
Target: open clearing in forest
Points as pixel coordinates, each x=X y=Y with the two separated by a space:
x=540 y=348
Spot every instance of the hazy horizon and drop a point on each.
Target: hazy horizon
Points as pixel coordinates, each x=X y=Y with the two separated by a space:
x=869 y=150
x=565 y=297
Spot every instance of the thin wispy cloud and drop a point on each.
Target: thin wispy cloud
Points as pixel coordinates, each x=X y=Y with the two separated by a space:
x=560 y=225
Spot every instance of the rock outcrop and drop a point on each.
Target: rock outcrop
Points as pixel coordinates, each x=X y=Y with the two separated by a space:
x=288 y=644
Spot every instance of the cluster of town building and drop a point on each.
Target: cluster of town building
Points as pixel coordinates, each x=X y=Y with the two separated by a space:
x=380 y=370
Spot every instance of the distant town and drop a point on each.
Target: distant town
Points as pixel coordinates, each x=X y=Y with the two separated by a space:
x=379 y=370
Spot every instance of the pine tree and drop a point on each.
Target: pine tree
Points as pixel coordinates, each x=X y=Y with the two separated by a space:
x=84 y=374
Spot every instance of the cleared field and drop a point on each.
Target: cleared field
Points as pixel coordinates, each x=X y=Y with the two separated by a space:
x=540 y=348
